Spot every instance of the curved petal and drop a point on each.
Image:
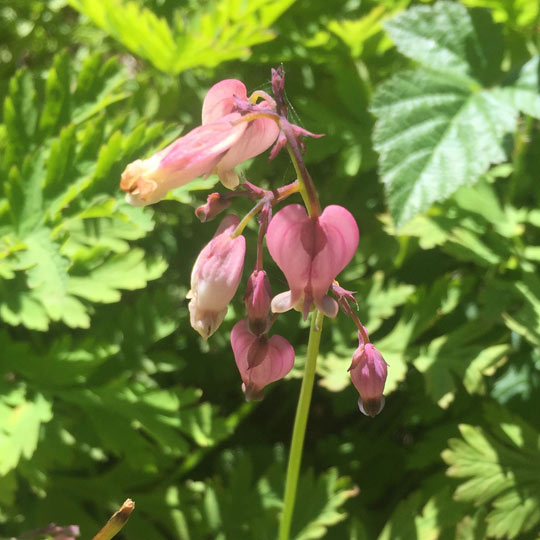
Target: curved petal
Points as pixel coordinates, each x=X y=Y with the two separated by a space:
x=284 y=240
x=341 y=234
x=219 y=100
x=193 y=155
x=260 y=361
x=258 y=137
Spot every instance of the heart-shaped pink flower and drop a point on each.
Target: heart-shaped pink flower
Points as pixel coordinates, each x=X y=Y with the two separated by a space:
x=311 y=252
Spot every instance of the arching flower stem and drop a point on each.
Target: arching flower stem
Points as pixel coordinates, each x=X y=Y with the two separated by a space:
x=269 y=198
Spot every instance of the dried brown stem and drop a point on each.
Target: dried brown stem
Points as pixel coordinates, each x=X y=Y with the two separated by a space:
x=116 y=522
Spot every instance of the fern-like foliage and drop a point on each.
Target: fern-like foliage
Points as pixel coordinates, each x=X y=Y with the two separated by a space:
x=63 y=230
x=223 y=30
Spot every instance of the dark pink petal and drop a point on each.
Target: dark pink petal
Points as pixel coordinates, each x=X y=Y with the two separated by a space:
x=260 y=360
x=368 y=374
x=258 y=297
x=311 y=252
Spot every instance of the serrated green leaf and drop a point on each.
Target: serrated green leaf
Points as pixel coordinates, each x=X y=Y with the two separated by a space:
x=224 y=30
x=20 y=117
x=19 y=427
x=57 y=95
x=501 y=461
x=127 y=271
x=524 y=89
x=447 y=36
x=434 y=134
x=526 y=320
x=457 y=356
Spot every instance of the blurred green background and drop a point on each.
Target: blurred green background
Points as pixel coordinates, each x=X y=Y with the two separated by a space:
x=105 y=390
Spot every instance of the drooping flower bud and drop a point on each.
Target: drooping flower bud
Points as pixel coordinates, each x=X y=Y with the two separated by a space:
x=368 y=373
x=258 y=297
x=260 y=360
x=311 y=252
x=53 y=531
x=222 y=142
x=215 y=204
x=215 y=278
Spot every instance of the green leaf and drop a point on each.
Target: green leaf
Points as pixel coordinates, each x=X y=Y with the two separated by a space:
x=524 y=89
x=223 y=30
x=416 y=518
x=441 y=126
x=501 y=464
x=126 y=271
x=526 y=320
x=458 y=355
x=434 y=134
x=20 y=421
x=450 y=38
x=321 y=504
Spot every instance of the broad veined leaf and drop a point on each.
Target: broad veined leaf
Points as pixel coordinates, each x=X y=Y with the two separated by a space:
x=442 y=125
x=524 y=88
x=436 y=133
x=500 y=465
x=450 y=38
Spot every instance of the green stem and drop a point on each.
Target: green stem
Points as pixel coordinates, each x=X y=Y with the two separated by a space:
x=300 y=422
x=307 y=187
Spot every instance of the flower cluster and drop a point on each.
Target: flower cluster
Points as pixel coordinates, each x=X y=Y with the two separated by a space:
x=310 y=245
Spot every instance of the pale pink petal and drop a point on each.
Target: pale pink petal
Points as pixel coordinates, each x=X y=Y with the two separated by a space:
x=193 y=155
x=341 y=234
x=258 y=137
x=215 y=278
x=219 y=100
x=311 y=252
x=284 y=240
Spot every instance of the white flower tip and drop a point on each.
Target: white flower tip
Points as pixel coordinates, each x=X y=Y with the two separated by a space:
x=371 y=407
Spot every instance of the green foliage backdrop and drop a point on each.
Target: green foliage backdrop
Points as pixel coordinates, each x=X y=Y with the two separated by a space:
x=430 y=112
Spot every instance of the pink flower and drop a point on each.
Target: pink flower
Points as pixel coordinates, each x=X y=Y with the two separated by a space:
x=215 y=278
x=221 y=143
x=311 y=252
x=368 y=373
x=259 y=135
x=260 y=360
x=258 y=297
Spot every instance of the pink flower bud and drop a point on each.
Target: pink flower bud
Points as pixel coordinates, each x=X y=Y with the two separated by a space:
x=222 y=142
x=368 y=373
x=260 y=360
x=54 y=532
x=215 y=278
x=257 y=298
x=311 y=252
x=215 y=204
